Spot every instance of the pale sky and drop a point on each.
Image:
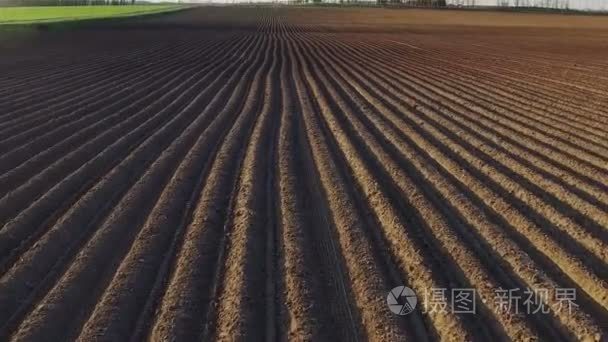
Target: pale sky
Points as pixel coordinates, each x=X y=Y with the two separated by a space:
x=574 y=4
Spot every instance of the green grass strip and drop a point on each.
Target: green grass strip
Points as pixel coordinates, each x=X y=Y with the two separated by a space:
x=50 y=14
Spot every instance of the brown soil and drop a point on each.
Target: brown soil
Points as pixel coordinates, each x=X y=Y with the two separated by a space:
x=271 y=173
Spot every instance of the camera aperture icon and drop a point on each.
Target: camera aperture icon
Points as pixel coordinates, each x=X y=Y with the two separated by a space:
x=401 y=300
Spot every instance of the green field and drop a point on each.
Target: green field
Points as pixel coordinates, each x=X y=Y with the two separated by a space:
x=24 y=15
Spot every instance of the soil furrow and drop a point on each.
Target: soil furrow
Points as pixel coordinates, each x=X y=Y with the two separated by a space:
x=89 y=207
x=91 y=269
x=189 y=292
x=587 y=281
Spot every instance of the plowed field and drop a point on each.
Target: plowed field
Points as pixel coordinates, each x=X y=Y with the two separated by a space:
x=272 y=173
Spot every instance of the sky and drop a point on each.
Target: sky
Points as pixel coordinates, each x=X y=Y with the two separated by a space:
x=574 y=4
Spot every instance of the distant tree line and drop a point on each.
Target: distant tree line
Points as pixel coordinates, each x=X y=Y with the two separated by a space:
x=423 y=3
x=64 y=2
x=415 y=3
x=552 y=4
